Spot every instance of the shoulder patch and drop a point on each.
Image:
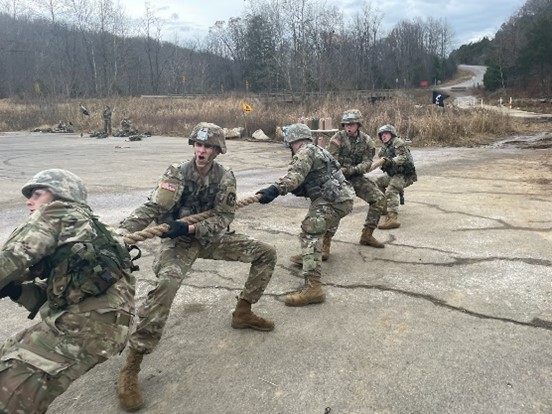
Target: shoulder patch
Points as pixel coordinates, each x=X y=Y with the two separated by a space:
x=231 y=199
x=168 y=186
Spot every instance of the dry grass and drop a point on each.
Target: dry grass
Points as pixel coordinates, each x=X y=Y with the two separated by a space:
x=414 y=118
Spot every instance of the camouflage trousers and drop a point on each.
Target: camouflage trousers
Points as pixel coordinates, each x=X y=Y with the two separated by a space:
x=321 y=217
x=107 y=126
x=39 y=363
x=392 y=187
x=367 y=189
x=173 y=263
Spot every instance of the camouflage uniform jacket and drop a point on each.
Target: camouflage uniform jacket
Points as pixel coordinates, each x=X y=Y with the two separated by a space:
x=50 y=228
x=106 y=114
x=396 y=150
x=181 y=192
x=126 y=125
x=354 y=153
x=314 y=173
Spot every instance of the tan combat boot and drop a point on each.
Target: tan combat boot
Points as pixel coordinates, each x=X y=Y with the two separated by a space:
x=128 y=391
x=311 y=293
x=242 y=317
x=367 y=239
x=326 y=244
x=392 y=222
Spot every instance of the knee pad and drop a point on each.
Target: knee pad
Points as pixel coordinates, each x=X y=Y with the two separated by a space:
x=314 y=225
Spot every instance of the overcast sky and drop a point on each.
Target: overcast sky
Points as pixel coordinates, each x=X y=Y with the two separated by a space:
x=470 y=20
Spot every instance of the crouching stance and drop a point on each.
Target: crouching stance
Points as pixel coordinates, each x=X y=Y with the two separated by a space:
x=399 y=173
x=67 y=265
x=185 y=189
x=355 y=151
x=312 y=173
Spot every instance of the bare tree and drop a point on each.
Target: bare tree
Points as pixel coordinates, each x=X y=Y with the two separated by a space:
x=152 y=26
x=51 y=10
x=82 y=14
x=14 y=8
x=363 y=35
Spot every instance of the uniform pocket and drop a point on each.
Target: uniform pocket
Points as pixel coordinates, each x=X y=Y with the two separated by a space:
x=93 y=337
x=52 y=368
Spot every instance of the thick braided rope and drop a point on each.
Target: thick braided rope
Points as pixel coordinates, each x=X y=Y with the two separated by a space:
x=376 y=164
x=155 y=231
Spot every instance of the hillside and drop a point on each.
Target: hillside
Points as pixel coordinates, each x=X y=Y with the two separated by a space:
x=519 y=57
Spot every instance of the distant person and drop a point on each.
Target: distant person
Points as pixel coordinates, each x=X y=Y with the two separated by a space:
x=71 y=268
x=69 y=127
x=399 y=173
x=126 y=129
x=126 y=125
x=184 y=189
x=355 y=151
x=312 y=173
x=107 y=120
x=64 y=126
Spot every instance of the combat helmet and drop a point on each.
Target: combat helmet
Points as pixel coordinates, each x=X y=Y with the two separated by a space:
x=297 y=132
x=387 y=128
x=61 y=183
x=352 y=116
x=207 y=133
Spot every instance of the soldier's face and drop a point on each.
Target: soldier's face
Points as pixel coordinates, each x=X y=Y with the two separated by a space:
x=351 y=129
x=295 y=145
x=38 y=197
x=204 y=154
x=385 y=137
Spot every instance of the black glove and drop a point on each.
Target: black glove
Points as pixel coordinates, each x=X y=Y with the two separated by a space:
x=387 y=163
x=11 y=290
x=268 y=194
x=177 y=229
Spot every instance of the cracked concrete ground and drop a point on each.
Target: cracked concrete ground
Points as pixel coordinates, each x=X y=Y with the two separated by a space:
x=453 y=316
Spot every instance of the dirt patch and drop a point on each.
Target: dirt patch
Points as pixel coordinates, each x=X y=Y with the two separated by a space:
x=538 y=141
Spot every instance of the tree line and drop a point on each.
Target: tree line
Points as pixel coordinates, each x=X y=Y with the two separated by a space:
x=520 y=54
x=91 y=48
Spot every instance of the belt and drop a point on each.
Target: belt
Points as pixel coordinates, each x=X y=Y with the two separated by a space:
x=116 y=318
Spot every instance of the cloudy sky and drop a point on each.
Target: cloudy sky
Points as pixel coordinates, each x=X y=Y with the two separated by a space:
x=470 y=20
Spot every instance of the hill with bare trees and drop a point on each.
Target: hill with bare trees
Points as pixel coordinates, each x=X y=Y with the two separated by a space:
x=91 y=49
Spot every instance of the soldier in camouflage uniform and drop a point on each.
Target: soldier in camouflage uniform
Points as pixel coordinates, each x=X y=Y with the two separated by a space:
x=184 y=189
x=67 y=265
x=106 y=115
x=315 y=174
x=355 y=151
x=126 y=125
x=400 y=172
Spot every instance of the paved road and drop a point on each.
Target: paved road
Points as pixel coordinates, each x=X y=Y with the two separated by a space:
x=475 y=81
x=453 y=316
x=462 y=94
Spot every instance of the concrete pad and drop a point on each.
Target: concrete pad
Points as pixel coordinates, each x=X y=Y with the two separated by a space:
x=452 y=316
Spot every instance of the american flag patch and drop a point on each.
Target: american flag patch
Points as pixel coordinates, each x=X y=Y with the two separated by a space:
x=169 y=187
